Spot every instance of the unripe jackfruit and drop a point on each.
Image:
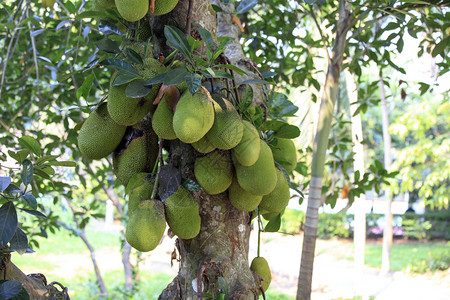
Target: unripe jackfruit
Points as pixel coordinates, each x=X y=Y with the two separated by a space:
x=261 y=177
x=285 y=154
x=241 y=199
x=162 y=121
x=132 y=10
x=247 y=151
x=163 y=7
x=278 y=199
x=203 y=145
x=99 y=135
x=146 y=225
x=140 y=187
x=214 y=172
x=194 y=116
x=261 y=267
x=182 y=214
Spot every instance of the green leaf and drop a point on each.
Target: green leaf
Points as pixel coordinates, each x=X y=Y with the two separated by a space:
x=288 y=132
x=35 y=213
x=19 y=156
x=27 y=172
x=193 y=82
x=108 y=28
x=19 y=242
x=440 y=47
x=254 y=81
x=122 y=66
x=45 y=158
x=31 y=144
x=30 y=200
x=175 y=76
x=207 y=38
x=62 y=163
x=41 y=173
x=108 y=46
x=215 y=7
x=137 y=89
x=245 y=6
x=274 y=224
x=124 y=79
x=231 y=67
x=400 y=44
x=46 y=169
x=157 y=79
x=5 y=181
x=8 y=223
x=190 y=185
x=133 y=56
x=85 y=88
x=9 y=289
x=177 y=40
x=268 y=74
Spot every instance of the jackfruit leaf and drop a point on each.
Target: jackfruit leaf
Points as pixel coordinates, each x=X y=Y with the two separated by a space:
x=19 y=156
x=27 y=172
x=194 y=43
x=108 y=46
x=254 y=81
x=209 y=73
x=207 y=38
x=12 y=189
x=216 y=8
x=288 y=132
x=108 y=28
x=46 y=169
x=137 y=89
x=133 y=56
x=274 y=224
x=169 y=181
x=33 y=212
x=10 y=289
x=440 y=47
x=177 y=40
x=90 y=14
x=175 y=76
x=5 y=181
x=8 y=223
x=193 y=82
x=85 y=88
x=121 y=66
x=30 y=200
x=268 y=74
x=19 y=242
x=124 y=79
x=31 y=144
x=191 y=185
x=231 y=67
x=62 y=163
x=45 y=158
x=245 y=6
x=155 y=80
x=41 y=173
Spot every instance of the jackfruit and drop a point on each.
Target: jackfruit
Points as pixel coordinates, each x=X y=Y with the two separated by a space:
x=247 y=151
x=261 y=267
x=163 y=7
x=162 y=120
x=182 y=214
x=128 y=111
x=146 y=225
x=241 y=199
x=270 y=215
x=132 y=10
x=141 y=188
x=227 y=130
x=99 y=135
x=203 y=145
x=214 y=172
x=285 y=154
x=261 y=177
x=194 y=116
x=137 y=153
x=278 y=199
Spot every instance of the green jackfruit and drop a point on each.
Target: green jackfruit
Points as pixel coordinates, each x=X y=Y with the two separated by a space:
x=146 y=225
x=278 y=199
x=261 y=267
x=261 y=177
x=132 y=10
x=163 y=7
x=194 y=116
x=247 y=151
x=99 y=135
x=182 y=214
x=140 y=188
x=214 y=172
x=241 y=199
x=270 y=215
x=162 y=121
x=203 y=145
x=227 y=130
x=285 y=154
x=137 y=153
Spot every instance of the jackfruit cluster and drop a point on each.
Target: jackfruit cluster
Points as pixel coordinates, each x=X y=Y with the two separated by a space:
x=134 y=10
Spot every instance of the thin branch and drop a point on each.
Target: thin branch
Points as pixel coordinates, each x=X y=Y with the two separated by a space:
x=189 y=18
x=322 y=35
x=33 y=45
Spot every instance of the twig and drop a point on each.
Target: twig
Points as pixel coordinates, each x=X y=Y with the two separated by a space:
x=189 y=18
x=227 y=60
x=33 y=45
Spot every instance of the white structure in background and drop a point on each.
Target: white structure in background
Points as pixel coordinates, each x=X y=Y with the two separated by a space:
x=109 y=213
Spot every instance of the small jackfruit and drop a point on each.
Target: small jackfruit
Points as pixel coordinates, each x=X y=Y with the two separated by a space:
x=261 y=267
x=140 y=188
x=203 y=145
x=163 y=7
x=132 y=10
x=99 y=135
x=146 y=225
x=227 y=130
x=278 y=199
x=247 y=151
x=214 y=172
x=137 y=153
x=194 y=116
x=182 y=214
x=241 y=199
x=285 y=154
x=261 y=177
x=162 y=120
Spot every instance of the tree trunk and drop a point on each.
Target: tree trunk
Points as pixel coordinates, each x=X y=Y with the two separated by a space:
x=320 y=147
x=388 y=231
x=359 y=238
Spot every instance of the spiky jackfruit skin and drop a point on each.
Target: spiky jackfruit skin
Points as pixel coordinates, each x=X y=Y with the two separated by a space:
x=99 y=135
x=241 y=199
x=285 y=154
x=182 y=214
x=261 y=267
x=128 y=111
x=163 y=7
x=227 y=130
x=278 y=199
x=247 y=151
x=194 y=116
x=137 y=153
x=214 y=172
x=162 y=121
x=146 y=225
x=203 y=145
x=132 y=10
x=261 y=177
x=141 y=188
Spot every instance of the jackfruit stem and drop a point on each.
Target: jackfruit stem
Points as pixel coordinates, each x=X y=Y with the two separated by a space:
x=161 y=163
x=259 y=232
